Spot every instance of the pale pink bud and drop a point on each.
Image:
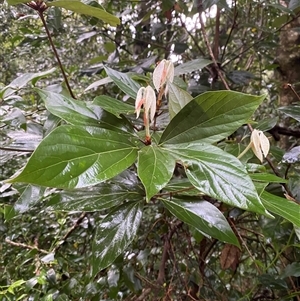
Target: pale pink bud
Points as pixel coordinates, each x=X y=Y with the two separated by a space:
x=146 y=97
x=163 y=72
x=260 y=144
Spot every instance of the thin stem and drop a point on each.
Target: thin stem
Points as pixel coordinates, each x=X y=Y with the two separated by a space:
x=19 y=244
x=56 y=54
x=211 y=51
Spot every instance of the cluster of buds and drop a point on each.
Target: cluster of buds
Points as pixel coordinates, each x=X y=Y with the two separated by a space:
x=146 y=97
x=38 y=5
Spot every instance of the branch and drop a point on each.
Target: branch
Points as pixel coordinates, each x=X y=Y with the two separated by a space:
x=217 y=68
x=10 y=149
x=19 y=244
x=41 y=15
x=70 y=231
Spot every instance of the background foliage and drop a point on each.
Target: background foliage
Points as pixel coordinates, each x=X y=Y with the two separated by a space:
x=52 y=236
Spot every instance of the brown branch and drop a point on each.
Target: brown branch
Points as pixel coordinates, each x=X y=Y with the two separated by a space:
x=70 y=231
x=11 y=149
x=204 y=34
x=19 y=244
x=41 y=15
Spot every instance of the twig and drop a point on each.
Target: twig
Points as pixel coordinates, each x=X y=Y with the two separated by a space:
x=19 y=244
x=41 y=15
x=211 y=51
x=11 y=149
x=245 y=245
x=70 y=231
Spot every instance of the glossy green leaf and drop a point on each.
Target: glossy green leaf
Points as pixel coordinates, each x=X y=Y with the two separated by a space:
x=210 y=117
x=76 y=156
x=124 y=82
x=114 y=234
x=78 y=113
x=81 y=8
x=204 y=216
x=266 y=177
x=114 y=106
x=178 y=98
x=191 y=66
x=22 y=81
x=291 y=111
x=155 y=169
x=219 y=175
x=102 y=196
x=30 y=196
x=283 y=207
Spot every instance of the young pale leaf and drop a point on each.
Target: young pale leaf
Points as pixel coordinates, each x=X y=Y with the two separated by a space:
x=204 y=216
x=210 y=117
x=178 y=98
x=124 y=82
x=81 y=8
x=113 y=106
x=77 y=156
x=283 y=207
x=114 y=234
x=155 y=169
x=219 y=175
x=78 y=113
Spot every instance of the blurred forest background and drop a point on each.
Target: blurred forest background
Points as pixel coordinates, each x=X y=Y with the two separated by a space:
x=257 y=47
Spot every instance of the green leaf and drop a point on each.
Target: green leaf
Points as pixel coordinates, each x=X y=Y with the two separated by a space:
x=81 y=8
x=29 y=197
x=14 y=2
x=291 y=270
x=266 y=177
x=101 y=197
x=283 y=207
x=22 y=81
x=178 y=98
x=113 y=106
x=114 y=234
x=155 y=169
x=76 y=156
x=210 y=117
x=204 y=216
x=219 y=175
x=291 y=111
x=78 y=113
x=71 y=110
x=124 y=82
x=191 y=66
